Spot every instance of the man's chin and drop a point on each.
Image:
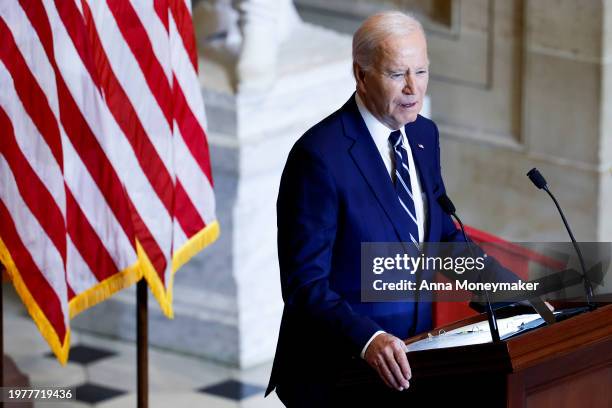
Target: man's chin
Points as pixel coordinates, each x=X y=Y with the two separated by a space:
x=408 y=119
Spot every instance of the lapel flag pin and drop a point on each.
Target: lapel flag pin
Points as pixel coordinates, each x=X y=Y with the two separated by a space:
x=421 y=146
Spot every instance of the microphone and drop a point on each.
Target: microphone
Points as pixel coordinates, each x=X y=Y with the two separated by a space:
x=449 y=208
x=537 y=178
x=447 y=205
x=540 y=182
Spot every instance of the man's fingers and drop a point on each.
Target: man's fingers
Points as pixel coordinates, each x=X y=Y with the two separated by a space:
x=394 y=367
x=386 y=375
x=387 y=355
x=402 y=361
x=383 y=378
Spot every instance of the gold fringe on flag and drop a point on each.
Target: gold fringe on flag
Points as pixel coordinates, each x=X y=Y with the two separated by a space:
x=105 y=289
x=60 y=347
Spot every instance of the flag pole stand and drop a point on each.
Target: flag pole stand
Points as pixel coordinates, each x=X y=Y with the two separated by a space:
x=142 y=344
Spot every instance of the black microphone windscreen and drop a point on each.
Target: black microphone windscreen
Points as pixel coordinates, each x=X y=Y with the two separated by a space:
x=446 y=204
x=537 y=178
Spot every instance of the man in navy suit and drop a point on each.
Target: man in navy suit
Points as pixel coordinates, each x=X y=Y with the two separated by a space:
x=370 y=172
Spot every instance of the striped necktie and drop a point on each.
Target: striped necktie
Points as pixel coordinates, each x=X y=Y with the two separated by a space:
x=402 y=183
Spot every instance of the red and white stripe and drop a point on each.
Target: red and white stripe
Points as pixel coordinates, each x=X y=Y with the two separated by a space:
x=103 y=151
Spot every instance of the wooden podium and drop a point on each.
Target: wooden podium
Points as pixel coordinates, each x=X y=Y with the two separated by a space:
x=567 y=364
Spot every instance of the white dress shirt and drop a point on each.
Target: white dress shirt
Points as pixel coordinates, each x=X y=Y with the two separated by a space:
x=380 y=134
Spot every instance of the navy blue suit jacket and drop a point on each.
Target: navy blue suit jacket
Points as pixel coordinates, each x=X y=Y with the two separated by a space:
x=336 y=193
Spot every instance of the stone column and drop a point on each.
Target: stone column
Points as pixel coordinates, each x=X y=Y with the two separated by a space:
x=250 y=136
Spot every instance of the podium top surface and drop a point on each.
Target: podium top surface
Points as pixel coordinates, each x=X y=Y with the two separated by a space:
x=517 y=353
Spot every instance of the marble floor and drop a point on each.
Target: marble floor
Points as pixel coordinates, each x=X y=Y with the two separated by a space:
x=103 y=371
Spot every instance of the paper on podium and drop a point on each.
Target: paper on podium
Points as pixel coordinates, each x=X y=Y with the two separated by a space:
x=477 y=333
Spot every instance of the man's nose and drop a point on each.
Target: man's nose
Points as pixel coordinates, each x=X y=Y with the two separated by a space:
x=409 y=86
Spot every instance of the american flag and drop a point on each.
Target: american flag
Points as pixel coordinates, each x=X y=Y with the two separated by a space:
x=105 y=174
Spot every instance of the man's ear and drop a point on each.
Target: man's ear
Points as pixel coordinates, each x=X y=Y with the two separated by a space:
x=359 y=74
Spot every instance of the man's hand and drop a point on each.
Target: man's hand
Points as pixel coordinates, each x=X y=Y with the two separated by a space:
x=387 y=355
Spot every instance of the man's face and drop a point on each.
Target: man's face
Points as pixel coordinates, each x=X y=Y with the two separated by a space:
x=394 y=87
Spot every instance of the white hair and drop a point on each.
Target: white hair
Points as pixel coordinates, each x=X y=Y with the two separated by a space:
x=376 y=29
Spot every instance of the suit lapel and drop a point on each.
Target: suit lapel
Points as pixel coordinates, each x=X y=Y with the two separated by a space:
x=421 y=152
x=367 y=158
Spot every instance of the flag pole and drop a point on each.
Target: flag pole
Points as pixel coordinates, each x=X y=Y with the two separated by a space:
x=142 y=344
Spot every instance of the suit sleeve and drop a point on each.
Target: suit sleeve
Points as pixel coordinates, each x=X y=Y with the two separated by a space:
x=307 y=217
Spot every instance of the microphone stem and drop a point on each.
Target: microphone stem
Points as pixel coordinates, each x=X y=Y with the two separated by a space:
x=587 y=283
x=490 y=314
